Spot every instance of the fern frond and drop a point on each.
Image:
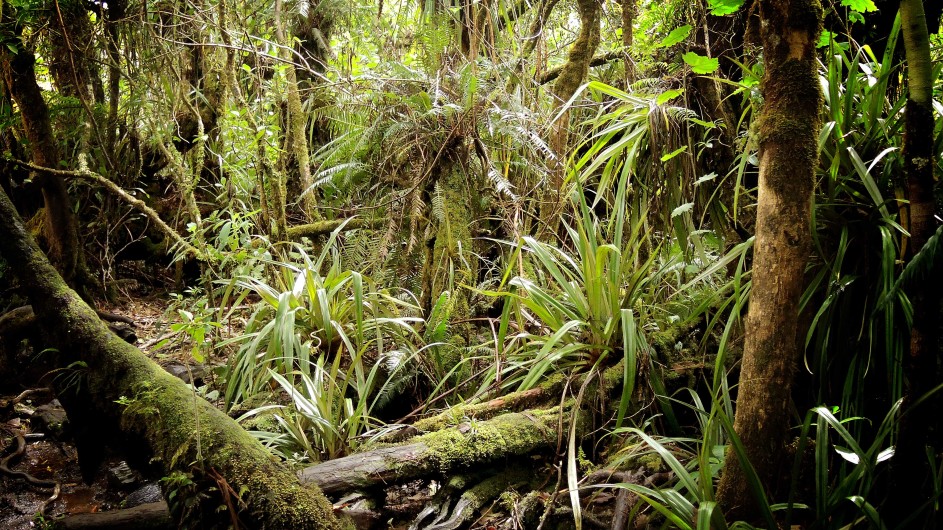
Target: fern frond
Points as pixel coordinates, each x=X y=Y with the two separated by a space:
x=501 y=184
x=438 y=203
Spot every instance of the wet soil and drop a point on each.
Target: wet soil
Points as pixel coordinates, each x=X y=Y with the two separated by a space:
x=47 y=457
x=50 y=452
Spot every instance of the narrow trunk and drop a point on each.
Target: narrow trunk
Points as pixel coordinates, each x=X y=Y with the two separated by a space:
x=629 y=12
x=59 y=226
x=571 y=77
x=787 y=134
x=910 y=483
x=296 y=137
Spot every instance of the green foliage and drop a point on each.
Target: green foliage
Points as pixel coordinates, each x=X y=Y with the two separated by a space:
x=677 y=35
x=329 y=406
x=860 y=320
x=581 y=306
x=690 y=501
x=845 y=472
x=861 y=6
x=620 y=157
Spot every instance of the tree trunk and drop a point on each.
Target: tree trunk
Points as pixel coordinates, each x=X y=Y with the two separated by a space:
x=182 y=432
x=629 y=12
x=571 y=77
x=787 y=130
x=296 y=134
x=59 y=226
x=910 y=487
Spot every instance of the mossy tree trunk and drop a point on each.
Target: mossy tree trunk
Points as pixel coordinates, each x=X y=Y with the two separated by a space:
x=910 y=484
x=787 y=134
x=60 y=229
x=181 y=431
x=571 y=77
x=296 y=136
x=450 y=259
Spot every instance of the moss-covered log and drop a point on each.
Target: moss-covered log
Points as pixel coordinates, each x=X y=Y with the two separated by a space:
x=322 y=228
x=182 y=432
x=443 y=453
x=513 y=402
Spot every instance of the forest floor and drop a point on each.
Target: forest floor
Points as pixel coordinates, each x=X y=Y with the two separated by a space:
x=50 y=453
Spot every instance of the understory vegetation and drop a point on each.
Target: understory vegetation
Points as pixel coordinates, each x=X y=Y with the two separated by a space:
x=489 y=264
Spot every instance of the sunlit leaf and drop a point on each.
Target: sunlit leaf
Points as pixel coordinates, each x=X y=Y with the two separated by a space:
x=861 y=6
x=680 y=210
x=700 y=64
x=706 y=178
x=677 y=35
x=886 y=454
x=824 y=39
x=847 y=454
x=724 y=7
x=668 y=95
x=676 y=152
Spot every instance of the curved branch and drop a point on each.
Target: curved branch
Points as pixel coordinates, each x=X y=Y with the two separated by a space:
x=138 y=204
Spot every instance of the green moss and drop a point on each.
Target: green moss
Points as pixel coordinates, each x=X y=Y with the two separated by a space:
x=652 y=462
x=483 y=410
x=497 y=485
x=512 y=434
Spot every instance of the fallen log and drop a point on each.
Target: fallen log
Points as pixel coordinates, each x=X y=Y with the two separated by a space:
x=442 y=453
x=513 y=402
x=152 y=516
x=125 y=389
x=323 y=228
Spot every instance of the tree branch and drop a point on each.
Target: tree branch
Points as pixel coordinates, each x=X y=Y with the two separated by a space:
x=138 y=204
x=598 y=60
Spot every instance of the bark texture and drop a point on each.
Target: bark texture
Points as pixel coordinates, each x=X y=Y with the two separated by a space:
x=445 y=453
x=787 y=130
x=182 y=432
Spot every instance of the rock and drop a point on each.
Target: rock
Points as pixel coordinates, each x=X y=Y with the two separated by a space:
x=187 y=374
x=51 y=418
x=123 y=330
x=122 y=476
x=146 y=494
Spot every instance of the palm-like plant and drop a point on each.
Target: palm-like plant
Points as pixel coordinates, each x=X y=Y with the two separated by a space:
x=640 y=148
x=573 y=307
